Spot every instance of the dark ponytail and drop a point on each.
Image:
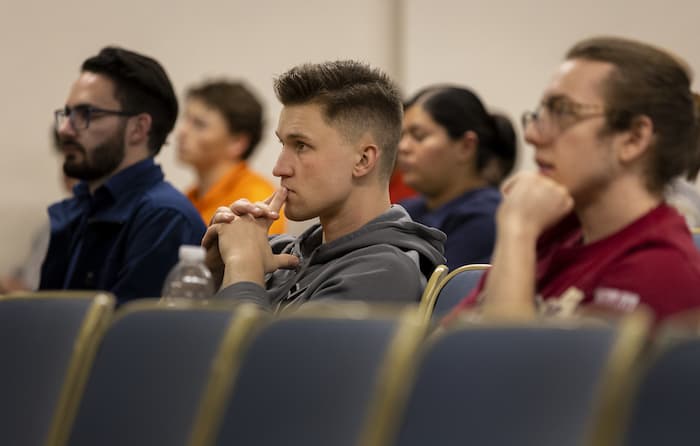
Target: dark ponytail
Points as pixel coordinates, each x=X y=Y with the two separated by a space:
x=504 y=148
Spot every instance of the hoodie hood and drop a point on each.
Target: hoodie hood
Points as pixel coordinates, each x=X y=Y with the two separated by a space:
x=394 y=227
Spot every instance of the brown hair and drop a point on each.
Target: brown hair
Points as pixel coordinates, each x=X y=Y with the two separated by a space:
x=241 y=110
x=651 y=82
x=353 y=96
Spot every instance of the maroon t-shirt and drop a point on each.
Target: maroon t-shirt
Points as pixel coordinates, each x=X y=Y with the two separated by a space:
x=652 y=261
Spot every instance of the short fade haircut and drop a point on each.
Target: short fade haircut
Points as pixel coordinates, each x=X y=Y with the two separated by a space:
x=648 y=81
x=240 y=108
x=141 y=86
x=355 y=97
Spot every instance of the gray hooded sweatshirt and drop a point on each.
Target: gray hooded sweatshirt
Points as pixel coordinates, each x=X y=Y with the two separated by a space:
x=387 y=260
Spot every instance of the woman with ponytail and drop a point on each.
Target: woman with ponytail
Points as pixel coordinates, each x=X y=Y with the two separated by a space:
x=455 y=154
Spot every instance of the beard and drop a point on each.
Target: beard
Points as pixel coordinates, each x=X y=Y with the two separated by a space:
x=103 y=160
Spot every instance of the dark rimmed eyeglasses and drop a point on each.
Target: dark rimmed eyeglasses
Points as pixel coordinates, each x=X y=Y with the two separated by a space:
x=81 y=115
x=557 y=113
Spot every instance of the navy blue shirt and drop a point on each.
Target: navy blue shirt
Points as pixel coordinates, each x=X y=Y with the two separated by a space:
x=468 y=221
x=124 y=238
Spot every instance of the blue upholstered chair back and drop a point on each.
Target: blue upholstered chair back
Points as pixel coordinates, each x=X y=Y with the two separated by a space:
x=667 y=406
x=40 y=345
x=149 y=375
x=307 y=381
x=507 y=385
x=457 y=285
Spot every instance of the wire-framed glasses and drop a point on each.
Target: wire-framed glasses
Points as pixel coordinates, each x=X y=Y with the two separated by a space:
x=557 y=113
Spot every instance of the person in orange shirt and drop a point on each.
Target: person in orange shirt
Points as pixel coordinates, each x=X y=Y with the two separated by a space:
x=219 y=130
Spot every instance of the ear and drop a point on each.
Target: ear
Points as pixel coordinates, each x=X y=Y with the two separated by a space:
x=637 y=140
x=238 y=143
x=138 y=129
x=467 y=145
x=366 y=161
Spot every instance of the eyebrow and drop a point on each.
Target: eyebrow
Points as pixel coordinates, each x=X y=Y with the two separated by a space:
x=87 y=105
x=79 y=105
x=556 y=96
x=414 y=127
x=293 y=136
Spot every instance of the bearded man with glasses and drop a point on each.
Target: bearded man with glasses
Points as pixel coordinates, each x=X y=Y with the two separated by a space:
x=617 y=123
x=122 y=229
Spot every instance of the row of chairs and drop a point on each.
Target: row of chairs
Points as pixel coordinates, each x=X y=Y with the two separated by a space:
x=337 y=374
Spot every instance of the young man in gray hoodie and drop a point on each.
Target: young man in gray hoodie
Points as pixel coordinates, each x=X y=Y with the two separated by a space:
x=339 y=130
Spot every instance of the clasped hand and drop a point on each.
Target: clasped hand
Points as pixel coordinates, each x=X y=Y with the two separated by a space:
x=237 y=241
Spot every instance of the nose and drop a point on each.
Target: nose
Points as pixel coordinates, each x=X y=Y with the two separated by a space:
x=404 y=143
x=283 y=166
x=531 y=133
x=180 y=132
x=65 y=128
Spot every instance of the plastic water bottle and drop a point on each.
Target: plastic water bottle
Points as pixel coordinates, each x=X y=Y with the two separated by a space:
x=190 y=279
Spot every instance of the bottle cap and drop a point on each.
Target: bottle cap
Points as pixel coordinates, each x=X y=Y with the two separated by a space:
x=193 y=253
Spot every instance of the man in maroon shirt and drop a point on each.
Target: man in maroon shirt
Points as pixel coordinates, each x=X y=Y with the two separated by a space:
x=615 y=125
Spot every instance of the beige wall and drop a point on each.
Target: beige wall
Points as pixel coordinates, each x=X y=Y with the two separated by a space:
x=506 y=50
x=42 y=45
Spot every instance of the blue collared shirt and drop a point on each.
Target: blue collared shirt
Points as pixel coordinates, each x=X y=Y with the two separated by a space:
x=124 y=238
x=468 y=221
